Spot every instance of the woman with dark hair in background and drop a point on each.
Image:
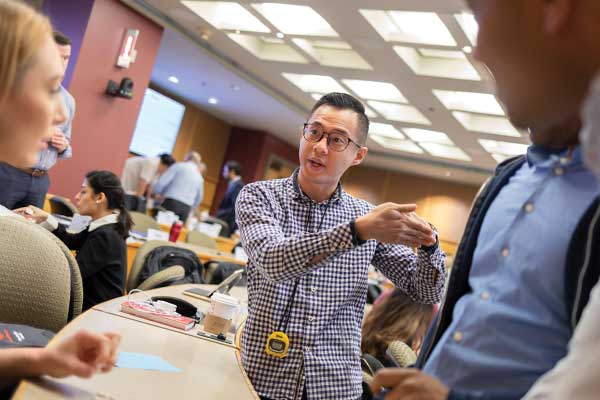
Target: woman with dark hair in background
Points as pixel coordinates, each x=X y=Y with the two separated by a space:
x=397 y=317
x=101 y=248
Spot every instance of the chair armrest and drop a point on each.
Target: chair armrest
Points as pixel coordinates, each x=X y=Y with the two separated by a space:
x=163 y=278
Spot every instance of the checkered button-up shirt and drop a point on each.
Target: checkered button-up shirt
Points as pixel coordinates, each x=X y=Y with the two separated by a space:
x=279 y=228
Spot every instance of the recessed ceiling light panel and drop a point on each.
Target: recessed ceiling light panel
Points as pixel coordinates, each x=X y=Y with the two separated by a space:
x=409 y=26
x=424 y=135
x=396 y=145
x=292 y=19
x=268 y=49
x=469 y=26
x=440 y=150
x=482 y=103
x=386 y=130
x=438 y=63
x=314 y=83
x=505 y=148
x=226 y=15
x=330 y=56
x=400 y=112
x=486 y=124
x=371 y=90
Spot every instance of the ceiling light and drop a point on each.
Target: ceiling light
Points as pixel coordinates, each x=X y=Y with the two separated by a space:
x=438 y=63
x=486 y=124
x=269 y=48
x=410 y=26
x=295 y=19
x=280 y=35
x=504 y=148
x=469 y=26
x=333 y=54
x=396 y=145
x=423 y=135
x=173 y=79
x=370 y=90
x=440 y=150
x=226 y=15
x=499 y=157
x=483 y=103
x=400 y=112
x=387 y=130
x=468 y=49
x=213 y=100
x=314 y=83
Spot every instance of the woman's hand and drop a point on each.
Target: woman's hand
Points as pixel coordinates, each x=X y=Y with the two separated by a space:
x=32 y=213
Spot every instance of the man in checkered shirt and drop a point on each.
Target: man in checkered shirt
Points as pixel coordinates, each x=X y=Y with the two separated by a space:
x=306 y=231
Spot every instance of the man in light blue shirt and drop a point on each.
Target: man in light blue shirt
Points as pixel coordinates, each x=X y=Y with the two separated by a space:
x=181 y=186
x=23 y=187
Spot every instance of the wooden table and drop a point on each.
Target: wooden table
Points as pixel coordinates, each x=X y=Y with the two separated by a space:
x=209 y=370
x=224 y=244
x=204 y=254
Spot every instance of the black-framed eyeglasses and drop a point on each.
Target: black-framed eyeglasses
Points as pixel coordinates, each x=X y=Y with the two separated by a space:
x=336 y=141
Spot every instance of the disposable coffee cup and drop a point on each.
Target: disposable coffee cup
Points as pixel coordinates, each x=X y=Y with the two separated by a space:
x=220 y=313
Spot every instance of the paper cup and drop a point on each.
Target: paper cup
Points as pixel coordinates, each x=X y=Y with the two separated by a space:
x=223 y=306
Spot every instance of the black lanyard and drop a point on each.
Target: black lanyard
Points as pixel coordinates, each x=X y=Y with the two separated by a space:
x=287 y=312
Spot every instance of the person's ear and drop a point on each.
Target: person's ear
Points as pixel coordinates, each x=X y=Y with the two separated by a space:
x=100 y=198
x=557 y=15
x=360 y=155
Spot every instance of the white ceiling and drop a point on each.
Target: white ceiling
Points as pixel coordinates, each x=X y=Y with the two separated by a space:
x=209 y=63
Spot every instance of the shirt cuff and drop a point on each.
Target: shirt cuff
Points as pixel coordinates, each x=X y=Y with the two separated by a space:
x=50 y=223
x=340 y=238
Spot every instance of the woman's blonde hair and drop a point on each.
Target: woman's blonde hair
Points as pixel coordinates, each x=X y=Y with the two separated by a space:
x=22 y=32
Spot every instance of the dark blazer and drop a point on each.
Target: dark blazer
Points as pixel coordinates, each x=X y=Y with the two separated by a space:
x=227 y=208
x=102 y=259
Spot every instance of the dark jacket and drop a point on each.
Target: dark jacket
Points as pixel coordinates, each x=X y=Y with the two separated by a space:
x=102 y=259
x=581 y=270
x=227 y=207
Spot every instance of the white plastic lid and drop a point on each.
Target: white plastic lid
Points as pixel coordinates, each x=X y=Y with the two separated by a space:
x=224 y=299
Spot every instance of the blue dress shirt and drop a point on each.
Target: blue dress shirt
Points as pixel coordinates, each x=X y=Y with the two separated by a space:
x=514 y=325
x=47 y=158
x=182 y=182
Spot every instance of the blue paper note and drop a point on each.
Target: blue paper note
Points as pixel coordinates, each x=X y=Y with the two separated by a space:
x=144 y=361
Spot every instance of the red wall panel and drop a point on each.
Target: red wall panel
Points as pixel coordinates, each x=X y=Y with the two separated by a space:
x=103 y=125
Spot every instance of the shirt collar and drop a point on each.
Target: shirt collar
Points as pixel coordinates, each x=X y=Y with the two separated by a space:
x=540 y=156
x=299 y=194
x=107 y=219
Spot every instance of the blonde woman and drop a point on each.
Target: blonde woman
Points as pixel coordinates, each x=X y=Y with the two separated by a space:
x=30 y=108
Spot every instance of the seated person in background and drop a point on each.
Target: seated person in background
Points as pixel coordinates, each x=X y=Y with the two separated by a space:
x=182 y=186
x=101 y=248
x=232 y=171
x=138 y=174
x=396 y=318
x=32 y=56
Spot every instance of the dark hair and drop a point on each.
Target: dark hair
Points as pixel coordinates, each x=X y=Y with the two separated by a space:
x=234 y=166
x=61 y=39
x=343 y=101
x=396 y=318
x=166 y=159
x=108 y=183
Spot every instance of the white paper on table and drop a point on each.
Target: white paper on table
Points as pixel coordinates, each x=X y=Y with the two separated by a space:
x=155 y=234
x=79 y=223
x=211 y=230
x=166 y=217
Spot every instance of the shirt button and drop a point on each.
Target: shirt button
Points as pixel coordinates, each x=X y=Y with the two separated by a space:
x=485 y=295
x=307 y=348
x=505 y=252
x=458 y=336
x=313 y=289
x=529 y=208
x=558 y=171
x=311 y=318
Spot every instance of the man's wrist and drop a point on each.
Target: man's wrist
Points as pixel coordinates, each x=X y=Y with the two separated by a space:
x=356 y=239
x=433 y=247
